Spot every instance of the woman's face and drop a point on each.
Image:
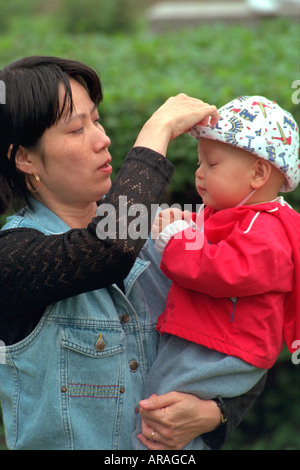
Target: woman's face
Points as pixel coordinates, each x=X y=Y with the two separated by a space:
x=73 y=161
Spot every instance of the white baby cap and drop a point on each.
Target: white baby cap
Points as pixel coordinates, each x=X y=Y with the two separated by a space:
x=261 y=127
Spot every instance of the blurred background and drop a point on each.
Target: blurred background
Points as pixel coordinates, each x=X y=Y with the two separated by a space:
x=146 y=51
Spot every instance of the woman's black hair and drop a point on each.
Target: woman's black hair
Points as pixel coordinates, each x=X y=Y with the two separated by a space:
x=30 y=107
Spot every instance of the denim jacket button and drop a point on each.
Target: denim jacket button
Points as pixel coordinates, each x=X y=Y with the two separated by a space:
x=125 y=318
x=133 y=365
x=100 y=345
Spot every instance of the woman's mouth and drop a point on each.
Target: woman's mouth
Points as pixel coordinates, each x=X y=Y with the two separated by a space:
x=106 y=167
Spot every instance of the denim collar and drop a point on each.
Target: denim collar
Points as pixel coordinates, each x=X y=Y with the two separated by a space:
x=48 y=221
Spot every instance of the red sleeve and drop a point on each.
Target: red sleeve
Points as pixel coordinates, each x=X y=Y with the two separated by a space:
x=245 y=262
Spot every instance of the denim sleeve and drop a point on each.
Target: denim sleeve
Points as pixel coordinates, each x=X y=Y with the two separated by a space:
x=236 y=409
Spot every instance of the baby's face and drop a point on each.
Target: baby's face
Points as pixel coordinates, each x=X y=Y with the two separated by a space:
x=224 y=174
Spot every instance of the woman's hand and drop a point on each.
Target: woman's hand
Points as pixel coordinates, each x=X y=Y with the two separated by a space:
x=171 y=421
x=175 y=117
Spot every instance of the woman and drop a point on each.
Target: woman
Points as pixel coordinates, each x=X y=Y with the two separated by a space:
x=78 y=314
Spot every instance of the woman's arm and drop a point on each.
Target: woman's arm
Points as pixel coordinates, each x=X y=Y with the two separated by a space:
x=84 y=259
x=178 y=418
x=37 y=269
x=174 y=118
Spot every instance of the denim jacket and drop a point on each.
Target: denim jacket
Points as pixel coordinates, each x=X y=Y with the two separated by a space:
x=75 y=381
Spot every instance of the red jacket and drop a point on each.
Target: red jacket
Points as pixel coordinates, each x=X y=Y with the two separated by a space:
x=238 y=293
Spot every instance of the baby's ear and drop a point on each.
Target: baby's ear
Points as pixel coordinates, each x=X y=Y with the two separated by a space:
x=261 y=173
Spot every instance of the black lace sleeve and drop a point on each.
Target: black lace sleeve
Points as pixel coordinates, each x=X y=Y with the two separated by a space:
x=37 y=269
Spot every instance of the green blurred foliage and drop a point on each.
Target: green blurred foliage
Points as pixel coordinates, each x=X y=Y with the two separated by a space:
x=98 y=15
x=139 y=72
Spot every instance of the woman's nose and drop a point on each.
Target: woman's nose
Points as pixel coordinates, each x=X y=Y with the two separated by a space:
x=101 y=140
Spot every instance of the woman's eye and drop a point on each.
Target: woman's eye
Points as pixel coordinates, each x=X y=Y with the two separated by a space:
x=78 y=131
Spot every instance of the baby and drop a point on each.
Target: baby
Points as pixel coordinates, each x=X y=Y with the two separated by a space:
x=233 y=298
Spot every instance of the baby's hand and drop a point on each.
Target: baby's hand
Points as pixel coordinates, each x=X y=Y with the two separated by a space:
x=167 y=217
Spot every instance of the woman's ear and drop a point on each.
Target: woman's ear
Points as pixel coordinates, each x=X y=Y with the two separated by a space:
x=22 y=159
x=261 y=173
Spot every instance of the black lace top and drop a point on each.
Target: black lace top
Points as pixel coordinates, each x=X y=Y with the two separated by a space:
x=37 y=269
